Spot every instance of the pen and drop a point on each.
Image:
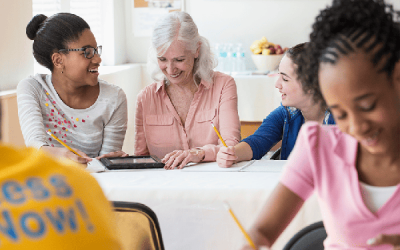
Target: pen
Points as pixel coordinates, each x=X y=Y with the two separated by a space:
x=220 y=137
x=62 y=143
x=240 y=226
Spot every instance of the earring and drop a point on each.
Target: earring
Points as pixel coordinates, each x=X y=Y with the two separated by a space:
x=62 y=71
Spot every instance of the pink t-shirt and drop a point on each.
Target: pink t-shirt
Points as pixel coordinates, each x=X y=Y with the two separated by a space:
x=159 y=129
x=324 y=160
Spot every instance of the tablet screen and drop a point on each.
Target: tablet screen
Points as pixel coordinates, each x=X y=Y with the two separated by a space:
x=132 y=160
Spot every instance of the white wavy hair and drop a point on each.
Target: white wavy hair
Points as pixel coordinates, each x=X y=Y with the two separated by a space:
x=180 y=26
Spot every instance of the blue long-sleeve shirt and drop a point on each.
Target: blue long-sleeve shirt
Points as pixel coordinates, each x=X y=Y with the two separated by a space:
x=284 y=124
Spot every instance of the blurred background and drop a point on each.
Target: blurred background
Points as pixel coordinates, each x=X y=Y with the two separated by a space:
x=123 y=27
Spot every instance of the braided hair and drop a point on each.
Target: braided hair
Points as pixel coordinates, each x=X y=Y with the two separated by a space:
x=346 y=27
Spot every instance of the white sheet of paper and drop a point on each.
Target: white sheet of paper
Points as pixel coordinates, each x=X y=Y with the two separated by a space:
x=95 y=166
x=213 y=167
x=264 y=166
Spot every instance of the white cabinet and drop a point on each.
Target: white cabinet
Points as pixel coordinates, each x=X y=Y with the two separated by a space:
x=257 y=96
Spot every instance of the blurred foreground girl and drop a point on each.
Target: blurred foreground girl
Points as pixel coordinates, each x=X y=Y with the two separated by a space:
x=353 y=168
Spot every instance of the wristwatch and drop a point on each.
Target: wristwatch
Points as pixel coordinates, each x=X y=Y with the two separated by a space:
x=198 y=152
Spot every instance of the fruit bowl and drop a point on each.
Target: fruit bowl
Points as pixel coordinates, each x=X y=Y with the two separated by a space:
x=266 y=62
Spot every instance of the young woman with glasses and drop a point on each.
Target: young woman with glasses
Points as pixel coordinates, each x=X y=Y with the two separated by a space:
x=86 y=113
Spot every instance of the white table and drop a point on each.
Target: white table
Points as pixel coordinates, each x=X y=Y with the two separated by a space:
x=189 y=205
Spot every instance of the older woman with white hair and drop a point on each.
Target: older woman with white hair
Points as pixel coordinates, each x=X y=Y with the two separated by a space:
x=174 y=114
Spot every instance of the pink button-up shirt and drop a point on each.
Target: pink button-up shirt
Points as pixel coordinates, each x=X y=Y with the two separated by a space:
x=159 y=129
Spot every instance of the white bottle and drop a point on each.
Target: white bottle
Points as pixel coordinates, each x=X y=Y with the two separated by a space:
x=234 y=59
x=230 y=58
x=220 y=50
x=241 y=58
x=217 y=54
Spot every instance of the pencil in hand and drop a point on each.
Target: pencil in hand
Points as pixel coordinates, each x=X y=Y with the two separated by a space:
x=219 y=136
x=62 y=143
x=251 y=243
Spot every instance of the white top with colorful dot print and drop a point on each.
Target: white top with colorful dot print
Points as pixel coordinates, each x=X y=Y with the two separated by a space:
x=96 y=130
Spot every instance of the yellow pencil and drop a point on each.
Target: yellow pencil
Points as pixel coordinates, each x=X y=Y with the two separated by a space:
x=62 y=143
x=220 y=137
x=240 y=226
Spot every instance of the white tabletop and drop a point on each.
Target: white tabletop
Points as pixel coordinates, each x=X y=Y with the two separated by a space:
x=189 y=204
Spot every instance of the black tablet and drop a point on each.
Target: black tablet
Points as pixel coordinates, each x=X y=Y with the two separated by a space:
x=132 y=162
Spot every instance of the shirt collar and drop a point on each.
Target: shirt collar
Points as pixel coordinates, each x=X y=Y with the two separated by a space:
x=161 y=83
x=346 y=148
x=206 y=84
x=326 y=118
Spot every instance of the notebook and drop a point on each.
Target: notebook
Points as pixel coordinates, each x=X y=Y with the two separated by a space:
x=244 y=166
x=213 y=167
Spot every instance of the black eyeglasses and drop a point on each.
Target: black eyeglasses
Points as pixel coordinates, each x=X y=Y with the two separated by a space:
x=89 y=52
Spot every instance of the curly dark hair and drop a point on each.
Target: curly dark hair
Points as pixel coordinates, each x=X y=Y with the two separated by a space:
x=50 y=34
x=344 y=28
x=295 y=53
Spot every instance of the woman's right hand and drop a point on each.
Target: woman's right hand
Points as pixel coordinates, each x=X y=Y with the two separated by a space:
x=64 y=152
x=226 y=157
x=113 y=154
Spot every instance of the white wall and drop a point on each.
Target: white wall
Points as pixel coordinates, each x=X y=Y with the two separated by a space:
x=136 y=47
x=16 y=60
x=120 y=37
x=286 y=22
x=114 y=39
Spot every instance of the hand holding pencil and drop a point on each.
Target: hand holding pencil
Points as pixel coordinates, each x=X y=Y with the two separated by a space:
x=66 y=151
x=225 y=152
x=249 y=240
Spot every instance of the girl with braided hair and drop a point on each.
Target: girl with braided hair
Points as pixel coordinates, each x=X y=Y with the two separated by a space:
x=354 y=168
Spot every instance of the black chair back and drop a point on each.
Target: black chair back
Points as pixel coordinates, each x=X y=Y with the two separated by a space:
x=276 y=155
x=309 y=238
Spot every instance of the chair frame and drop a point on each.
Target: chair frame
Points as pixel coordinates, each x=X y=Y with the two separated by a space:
x=122 y=206
x=277 y=154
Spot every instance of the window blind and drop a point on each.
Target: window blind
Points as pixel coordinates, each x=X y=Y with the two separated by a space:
x=46 y=7
x=90 y=10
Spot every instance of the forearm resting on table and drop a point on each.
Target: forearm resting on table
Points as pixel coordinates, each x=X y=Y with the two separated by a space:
x=243 y=152
x=275 y=216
